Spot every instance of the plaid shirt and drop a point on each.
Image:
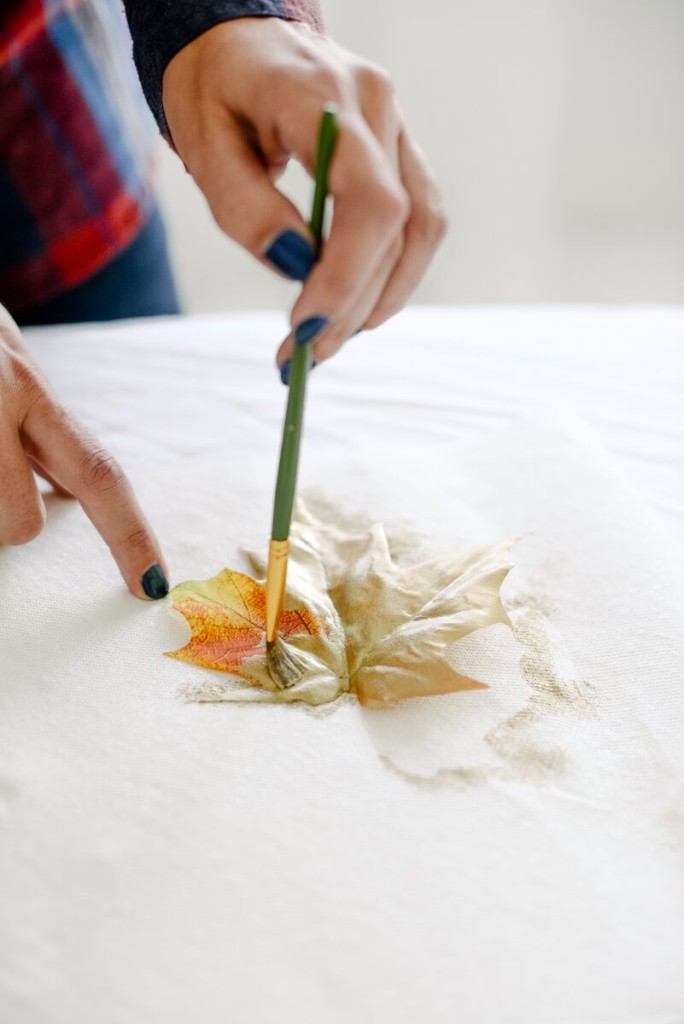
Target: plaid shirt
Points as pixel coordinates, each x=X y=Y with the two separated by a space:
x=76 y=139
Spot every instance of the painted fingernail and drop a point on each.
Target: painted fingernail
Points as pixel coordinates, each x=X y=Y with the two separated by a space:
x=285 y=370
x=292 y=254
x=309 y=329
x=154 y=582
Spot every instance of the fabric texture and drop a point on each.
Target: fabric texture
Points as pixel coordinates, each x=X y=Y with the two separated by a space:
x=76 y=137
x=137 y=282
x=502 y=855
x=160 y=28
x=76 y=146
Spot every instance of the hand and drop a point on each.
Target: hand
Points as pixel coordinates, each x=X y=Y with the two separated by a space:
x=37 y=433
x=245 y=97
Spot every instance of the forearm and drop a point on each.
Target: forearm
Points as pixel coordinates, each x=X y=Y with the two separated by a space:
x=161 y=28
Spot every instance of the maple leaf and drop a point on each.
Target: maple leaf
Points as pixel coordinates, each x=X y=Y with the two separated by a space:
x=356 y=618
x=227 y=618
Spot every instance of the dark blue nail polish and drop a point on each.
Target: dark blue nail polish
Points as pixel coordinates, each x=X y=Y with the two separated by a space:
x=154 y=582
x=285 y=371
x=309 y=329
x=292 y=254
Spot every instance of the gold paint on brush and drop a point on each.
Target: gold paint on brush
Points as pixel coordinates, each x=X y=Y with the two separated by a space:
x=283 y=668
x=278 y=551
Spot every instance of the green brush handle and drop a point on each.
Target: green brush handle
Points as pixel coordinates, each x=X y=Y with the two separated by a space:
x=286 y=482
x=327 y=140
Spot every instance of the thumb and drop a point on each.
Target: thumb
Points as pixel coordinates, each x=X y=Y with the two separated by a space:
x=238 y=185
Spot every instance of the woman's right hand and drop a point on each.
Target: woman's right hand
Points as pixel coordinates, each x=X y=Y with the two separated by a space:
x=38 y=434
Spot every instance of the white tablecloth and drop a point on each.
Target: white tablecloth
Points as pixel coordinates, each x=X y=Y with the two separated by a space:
x=166 y=862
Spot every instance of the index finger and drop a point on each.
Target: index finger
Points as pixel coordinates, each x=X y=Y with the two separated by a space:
x=74 y=458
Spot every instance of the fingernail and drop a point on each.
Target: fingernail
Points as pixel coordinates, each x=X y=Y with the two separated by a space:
x=285 y=370
x=309 y=329
x=292 y=254
x=154 y=582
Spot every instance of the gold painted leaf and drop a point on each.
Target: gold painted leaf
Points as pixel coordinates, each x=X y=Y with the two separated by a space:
x=357 y=619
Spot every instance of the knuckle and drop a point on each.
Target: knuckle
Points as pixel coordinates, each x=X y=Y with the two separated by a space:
x=323 y=78
x=329 y=82
x=375 y=83
x=393 y=205
x=23 y=372
x=31 y=392
x=431 y=222
x=26 y=380
x=27 y=528
x=138 y=539
x=99 y=471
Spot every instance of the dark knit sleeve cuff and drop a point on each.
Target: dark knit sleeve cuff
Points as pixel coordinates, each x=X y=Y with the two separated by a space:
x=160 y=28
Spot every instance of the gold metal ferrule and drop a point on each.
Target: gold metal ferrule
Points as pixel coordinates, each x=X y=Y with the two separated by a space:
x=278 y=552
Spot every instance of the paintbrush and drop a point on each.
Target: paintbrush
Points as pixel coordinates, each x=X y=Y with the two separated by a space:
x=282 y=667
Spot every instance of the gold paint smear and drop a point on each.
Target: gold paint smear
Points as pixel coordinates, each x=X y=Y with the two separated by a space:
x=519 y=741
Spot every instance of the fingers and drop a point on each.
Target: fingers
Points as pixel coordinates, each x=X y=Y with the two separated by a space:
x=332 y=337
x=379 y=107
x=402 y=267
x=36 y=433
x=424 y=230
x=22 y=512
x=239 y=187
x=371 y=208
x=243 y=99
x=80 y=465
x=373 y=260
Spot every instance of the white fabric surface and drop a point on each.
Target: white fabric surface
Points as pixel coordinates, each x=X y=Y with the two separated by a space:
x=167 y=862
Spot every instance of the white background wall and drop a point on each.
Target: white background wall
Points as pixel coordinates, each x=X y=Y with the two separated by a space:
x=556 y=128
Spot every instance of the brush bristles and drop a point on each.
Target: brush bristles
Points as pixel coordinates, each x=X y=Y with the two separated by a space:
x=283 y=668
